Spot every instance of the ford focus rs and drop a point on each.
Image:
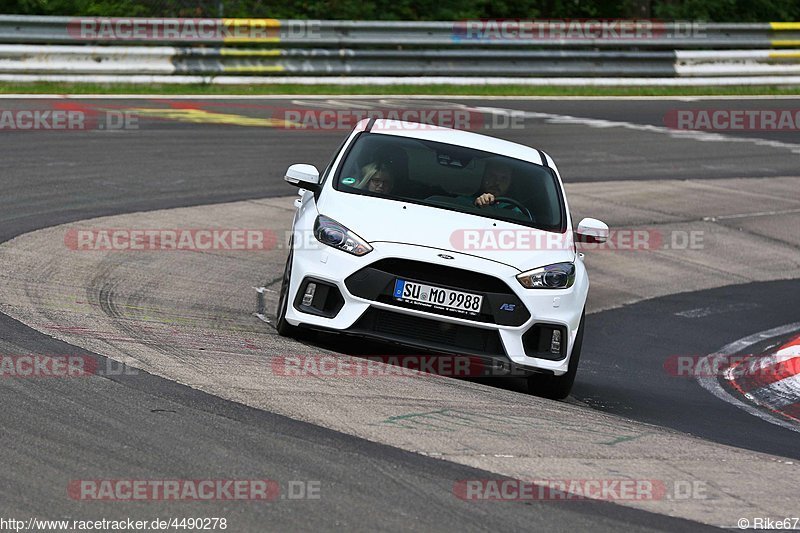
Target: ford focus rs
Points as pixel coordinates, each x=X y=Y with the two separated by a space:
x=441 y=240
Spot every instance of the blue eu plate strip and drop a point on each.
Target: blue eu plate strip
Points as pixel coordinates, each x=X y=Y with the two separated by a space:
x=398 y=288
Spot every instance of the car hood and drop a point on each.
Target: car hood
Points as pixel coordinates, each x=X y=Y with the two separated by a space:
x=379 y=220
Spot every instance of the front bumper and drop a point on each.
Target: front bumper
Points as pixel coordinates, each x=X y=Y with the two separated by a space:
x=499 y=333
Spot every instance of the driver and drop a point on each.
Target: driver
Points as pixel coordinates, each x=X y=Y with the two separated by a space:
x=496 y=183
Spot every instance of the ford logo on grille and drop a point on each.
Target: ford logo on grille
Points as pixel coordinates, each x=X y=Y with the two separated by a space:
x=445 y=256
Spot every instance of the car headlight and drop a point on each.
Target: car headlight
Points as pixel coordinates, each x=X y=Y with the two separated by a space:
x=558 y=276
x=328 y=231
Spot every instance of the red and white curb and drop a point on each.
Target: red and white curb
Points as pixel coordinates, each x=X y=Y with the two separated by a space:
x=769 y=386
x=771 y=382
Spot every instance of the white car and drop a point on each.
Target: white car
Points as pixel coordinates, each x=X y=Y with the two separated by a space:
x=442 y=240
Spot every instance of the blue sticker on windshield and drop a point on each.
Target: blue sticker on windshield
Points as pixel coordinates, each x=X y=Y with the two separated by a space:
x=348 y=181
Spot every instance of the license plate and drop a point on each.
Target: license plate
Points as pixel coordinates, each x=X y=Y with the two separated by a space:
x=437 y=298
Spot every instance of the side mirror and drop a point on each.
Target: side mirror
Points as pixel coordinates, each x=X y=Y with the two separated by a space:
x=591 y=230
x=305 y=176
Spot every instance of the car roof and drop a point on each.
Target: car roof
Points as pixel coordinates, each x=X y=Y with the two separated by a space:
x=429 y=132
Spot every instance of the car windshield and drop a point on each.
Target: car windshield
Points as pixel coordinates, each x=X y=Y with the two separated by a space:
x=452 y=177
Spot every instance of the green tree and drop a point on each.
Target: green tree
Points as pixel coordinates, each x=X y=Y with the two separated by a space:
x=704 y=10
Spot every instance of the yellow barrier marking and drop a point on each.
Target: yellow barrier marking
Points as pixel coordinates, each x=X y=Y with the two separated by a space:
x=253 y=68
x=785 y=42
x=269 y=23
x=240 y=52
x=201 y=116
x=777 y=55
x=252 y=30
x=778 y=26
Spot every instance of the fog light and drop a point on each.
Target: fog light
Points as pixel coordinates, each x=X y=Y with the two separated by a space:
x=308 y=297
x=555 y=341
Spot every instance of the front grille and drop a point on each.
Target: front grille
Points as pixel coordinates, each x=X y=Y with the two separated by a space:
x=428 y=333
x=500 y=306
x=442 y=275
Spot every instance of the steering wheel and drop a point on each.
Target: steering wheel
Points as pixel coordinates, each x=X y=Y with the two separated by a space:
x=515 y=203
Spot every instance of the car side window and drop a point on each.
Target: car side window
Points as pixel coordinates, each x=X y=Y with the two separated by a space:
x=327 y=171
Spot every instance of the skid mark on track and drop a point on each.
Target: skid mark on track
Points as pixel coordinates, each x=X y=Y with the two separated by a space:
x=717 y=310
x=455 y=420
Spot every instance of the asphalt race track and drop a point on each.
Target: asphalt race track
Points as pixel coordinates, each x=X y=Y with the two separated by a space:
x=189 y=415
x=641 y=359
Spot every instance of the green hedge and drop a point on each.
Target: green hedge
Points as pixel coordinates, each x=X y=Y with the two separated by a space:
x=706 y=10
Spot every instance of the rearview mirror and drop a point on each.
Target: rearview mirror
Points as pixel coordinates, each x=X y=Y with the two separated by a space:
x=591 y=230
x=305 y=176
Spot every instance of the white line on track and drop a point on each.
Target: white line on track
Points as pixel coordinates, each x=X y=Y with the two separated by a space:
x=749 y=215
x=711 y=384
x=702 y=136
x=551 y=118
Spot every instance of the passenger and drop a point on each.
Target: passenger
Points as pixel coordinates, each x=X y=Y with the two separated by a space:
x=377 y=177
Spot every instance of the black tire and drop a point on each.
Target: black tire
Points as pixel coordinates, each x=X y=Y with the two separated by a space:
x=559 y=387
x=284 y=328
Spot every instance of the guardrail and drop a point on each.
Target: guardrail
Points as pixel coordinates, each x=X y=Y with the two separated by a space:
x=33 y=59
x=210 y=49
x=468 y=34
